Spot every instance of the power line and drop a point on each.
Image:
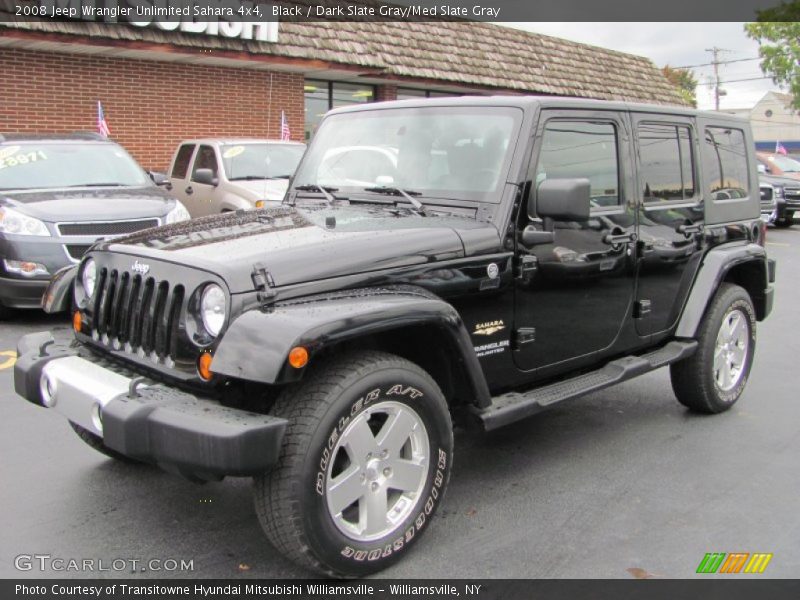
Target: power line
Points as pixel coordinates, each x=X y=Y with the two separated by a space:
x=721 y=62
x=717 y=82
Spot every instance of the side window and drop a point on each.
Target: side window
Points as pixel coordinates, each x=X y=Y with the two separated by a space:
x=181 y=165
x=578 y=149
x=206 y=159
x=666 y=162
x=725 y=163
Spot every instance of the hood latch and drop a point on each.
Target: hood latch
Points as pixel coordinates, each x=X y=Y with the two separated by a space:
x=264 y=284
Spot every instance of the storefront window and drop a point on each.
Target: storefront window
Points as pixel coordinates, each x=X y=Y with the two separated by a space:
x=321 y=96
x=410 y=94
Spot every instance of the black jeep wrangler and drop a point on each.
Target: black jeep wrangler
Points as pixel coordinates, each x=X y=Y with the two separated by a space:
x=479 y=258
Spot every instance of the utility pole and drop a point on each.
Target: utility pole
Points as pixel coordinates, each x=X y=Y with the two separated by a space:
x=717 y=91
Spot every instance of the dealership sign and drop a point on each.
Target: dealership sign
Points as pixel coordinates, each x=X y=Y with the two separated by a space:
x=244 y=20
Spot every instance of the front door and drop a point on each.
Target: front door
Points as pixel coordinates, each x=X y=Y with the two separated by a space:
x=574 y=294
x=203 y=196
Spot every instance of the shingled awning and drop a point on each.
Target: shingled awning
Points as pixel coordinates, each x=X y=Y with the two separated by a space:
x=456 y=53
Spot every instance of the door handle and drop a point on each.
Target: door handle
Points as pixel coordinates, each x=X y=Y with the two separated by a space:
x=615 y=239
x=189 y=190
x=689 y=229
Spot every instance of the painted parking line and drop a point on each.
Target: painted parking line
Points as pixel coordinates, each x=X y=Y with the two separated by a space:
x=781 y=244
x=7 y=359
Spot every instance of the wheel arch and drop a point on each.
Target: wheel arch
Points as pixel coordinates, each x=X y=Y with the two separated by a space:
x=417 y=326
x=742 y=264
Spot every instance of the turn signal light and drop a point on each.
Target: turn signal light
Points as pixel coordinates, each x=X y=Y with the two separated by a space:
x=76 y=321
x=298 y=357
x=204 y=366
x=260 y=204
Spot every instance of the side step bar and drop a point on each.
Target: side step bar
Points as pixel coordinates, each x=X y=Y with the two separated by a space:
x=514 y=406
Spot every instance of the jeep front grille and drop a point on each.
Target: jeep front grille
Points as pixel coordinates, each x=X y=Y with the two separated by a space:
x=791 y=193
x=106 y=227
x=137 y=314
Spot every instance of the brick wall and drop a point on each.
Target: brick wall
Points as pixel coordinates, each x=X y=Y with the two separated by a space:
x=150 y=106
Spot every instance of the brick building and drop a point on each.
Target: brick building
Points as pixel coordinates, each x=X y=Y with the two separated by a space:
x=159 y=85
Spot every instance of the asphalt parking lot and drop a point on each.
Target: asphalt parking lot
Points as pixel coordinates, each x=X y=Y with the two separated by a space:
x=623 y=483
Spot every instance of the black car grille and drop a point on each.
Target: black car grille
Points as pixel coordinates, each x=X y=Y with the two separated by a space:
x=791 y=193
x=137 y=314
x=76 y=251
x=106 y=228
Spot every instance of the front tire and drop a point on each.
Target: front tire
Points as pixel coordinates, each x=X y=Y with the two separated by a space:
x=787 y=220
x=364 y=465
x=712 y=380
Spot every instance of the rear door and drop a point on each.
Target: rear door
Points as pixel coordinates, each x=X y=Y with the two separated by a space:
x=179 y=173
x=671 y=218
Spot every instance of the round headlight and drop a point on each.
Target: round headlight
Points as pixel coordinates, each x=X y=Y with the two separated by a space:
x=89 y=277
x=212 y=308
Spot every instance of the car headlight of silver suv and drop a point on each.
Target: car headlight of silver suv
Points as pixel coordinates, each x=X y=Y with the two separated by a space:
x=213 y=308
x=89 y=277
x=177 y=214
x=16 y=223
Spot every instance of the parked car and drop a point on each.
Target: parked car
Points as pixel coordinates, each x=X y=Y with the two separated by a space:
x=324 y=347
x=779 y=165
x=219 y=175
x=59 y=194
x=769 y=203
x=787 y=198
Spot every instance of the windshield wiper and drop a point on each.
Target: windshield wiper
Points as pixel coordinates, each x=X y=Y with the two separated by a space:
x=257 y=177
x=324 y=190
x=419 y=207
x=98 y=185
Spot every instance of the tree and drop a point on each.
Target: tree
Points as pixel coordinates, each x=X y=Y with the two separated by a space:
x=778 y=35
x=685 y=81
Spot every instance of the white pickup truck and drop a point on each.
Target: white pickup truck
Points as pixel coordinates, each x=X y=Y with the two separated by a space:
x=218 y=175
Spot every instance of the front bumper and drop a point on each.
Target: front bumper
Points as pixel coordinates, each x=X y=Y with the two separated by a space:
x=180 y=432
x=22 y=293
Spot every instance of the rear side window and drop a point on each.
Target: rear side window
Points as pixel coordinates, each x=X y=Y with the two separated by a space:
x=578 y=149
x=725 y=163
x=181 y=165
x=666 y=162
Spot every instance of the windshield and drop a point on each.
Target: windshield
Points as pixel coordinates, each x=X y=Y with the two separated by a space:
x=785 y=164
x=446 y=152
x=29 y=165
x=260 y=161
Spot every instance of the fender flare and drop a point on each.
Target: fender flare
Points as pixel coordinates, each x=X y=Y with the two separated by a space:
x=256 y=345
x=717 y=263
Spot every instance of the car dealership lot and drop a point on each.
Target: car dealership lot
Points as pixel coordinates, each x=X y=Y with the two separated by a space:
x=622 y=483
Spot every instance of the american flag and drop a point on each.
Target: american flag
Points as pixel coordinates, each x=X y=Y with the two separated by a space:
x=780 y=149
x=286 y=135
x=102 y=126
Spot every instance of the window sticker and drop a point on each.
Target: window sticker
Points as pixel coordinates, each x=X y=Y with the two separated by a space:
x=8 y=160
x=232 y=152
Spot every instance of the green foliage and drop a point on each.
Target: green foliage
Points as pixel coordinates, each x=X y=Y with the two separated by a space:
x=778 y=35
x=685 y=81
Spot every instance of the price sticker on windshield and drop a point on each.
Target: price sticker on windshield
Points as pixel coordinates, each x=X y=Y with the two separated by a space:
x=232 y=152
x=12 y=157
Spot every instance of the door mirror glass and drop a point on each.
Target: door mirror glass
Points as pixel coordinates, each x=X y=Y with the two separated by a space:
x=205 y=176
x=561 y=200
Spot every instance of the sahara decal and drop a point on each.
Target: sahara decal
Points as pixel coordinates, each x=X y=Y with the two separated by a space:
x=489 y=327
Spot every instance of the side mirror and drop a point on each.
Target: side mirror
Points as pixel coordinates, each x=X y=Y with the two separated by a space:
x=205 y=176
x=561 y=200
x=762 y=168
x=160 y=179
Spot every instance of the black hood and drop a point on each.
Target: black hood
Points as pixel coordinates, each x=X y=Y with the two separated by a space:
x=298 y=245
x=90 y=204
x=778 y=181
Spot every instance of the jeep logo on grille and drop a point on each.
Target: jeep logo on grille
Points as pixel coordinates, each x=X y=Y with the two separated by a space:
x=142 y=268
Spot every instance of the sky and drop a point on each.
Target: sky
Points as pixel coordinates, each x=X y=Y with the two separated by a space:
x=679 y=44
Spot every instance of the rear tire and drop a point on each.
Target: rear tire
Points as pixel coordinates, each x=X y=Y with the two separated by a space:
x=364 y=465
x=96 y=442
x=712 y=380
x=6 y=313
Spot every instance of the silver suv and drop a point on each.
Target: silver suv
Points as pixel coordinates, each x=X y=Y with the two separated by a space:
x=218 y=175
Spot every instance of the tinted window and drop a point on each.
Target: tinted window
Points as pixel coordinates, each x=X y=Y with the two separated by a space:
x=206 y=159
x=725 y=163
x=260 y=161
x=578 y=149
x=665 y=153
x=182 y=161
